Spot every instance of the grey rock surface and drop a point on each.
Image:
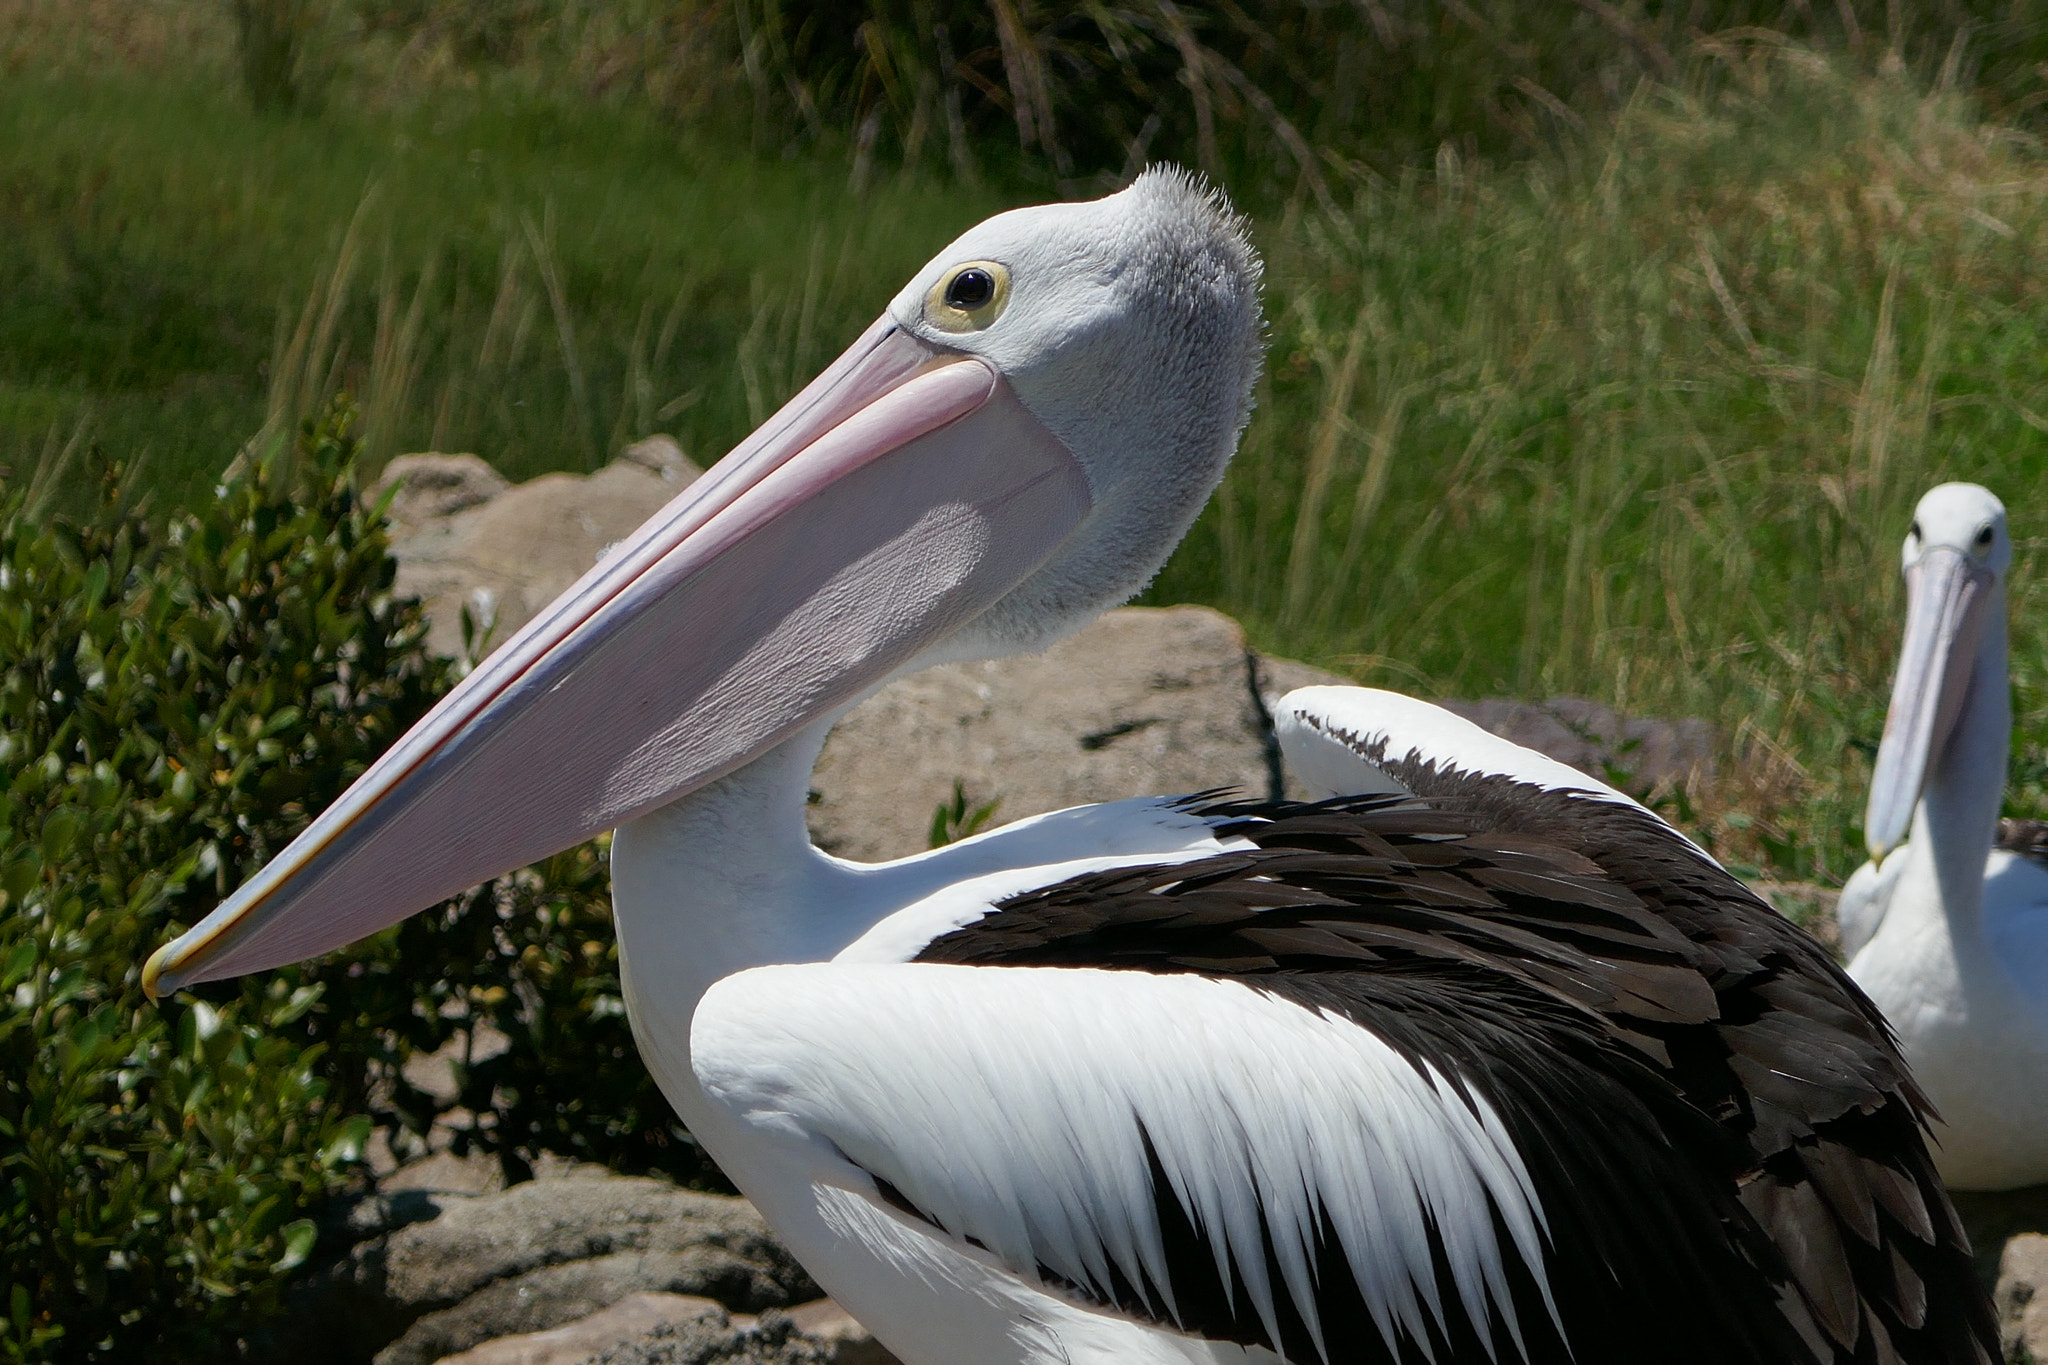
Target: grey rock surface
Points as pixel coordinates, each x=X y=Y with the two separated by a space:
x=1145 y=701
x=658 y=1327
x=547 y=1297
x=2022 y=1298
x=413 y=1275
x=666 y=1329
x=836 y=1332
x=506 y=554
x=772 y=1339
x=1648 y=754
x=2008 y=1232
x=1644 y=754
x=435 y=485
x=631 y=1318
x=548 y=1252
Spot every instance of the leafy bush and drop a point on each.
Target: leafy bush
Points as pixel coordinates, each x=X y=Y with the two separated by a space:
x=175 y=698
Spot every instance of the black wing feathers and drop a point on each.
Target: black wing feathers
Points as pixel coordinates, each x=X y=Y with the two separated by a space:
x=1727 y=1149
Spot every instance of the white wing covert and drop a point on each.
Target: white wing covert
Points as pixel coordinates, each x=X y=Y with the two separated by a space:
x=1075 y=1122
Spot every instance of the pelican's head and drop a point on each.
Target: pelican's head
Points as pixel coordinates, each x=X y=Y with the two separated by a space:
x=1954 y=559
x=1015 y=445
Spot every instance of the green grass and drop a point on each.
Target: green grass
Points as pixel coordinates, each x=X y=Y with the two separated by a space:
x=1644 y=420
x=582 y=276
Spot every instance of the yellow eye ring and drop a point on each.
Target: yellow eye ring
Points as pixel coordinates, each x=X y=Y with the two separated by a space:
x=969 y=296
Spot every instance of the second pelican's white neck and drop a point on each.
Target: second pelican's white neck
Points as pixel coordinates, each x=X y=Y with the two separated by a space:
x=1956 y=821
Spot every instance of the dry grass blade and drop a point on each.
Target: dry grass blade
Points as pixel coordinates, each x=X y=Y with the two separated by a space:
x=539 y=239
x=1303 y=556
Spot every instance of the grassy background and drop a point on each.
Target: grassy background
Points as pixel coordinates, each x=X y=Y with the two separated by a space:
x=1611 y=345
x=490 y=269
x=1645 y=420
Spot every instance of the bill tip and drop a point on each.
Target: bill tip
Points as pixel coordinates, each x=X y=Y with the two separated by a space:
x=153 y=971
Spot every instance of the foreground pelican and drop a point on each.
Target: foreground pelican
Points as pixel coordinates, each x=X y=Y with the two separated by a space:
x=1948 y=933
x=1482 y=1062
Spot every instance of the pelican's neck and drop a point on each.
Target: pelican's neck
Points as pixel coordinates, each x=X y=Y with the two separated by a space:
x=1957 y=818
x=727 y=878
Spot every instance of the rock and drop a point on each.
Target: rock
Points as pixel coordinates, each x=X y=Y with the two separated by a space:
x=834 y=1330
x=649 y=1328
x=2022 y=1304
x=1144 y=701
x=1646 y=754
x=772 y=1340
x=660 y=455
x=542 y=1298
x=420 y=1274
x=548 y=1252
x=434 y=1072
x=481 y=1239
x=435 y=485
x=1998 y=1221
x=1278 y=677
x=443 y=1172
x=636 y=1315
x=1639 y=754
x=509 y=554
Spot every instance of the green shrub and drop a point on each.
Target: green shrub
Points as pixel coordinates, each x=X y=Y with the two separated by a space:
x=175 y=697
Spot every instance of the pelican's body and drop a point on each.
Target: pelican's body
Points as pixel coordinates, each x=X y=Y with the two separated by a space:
x=763 y=897
x=1477 y=1061
x=1948 y=932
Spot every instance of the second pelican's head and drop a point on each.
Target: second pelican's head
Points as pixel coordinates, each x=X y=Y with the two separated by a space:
x=1954 y=559
x=1017 y=443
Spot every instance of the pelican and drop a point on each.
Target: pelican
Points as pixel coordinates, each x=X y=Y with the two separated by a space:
x=1476 y=1060
x=1947 y=931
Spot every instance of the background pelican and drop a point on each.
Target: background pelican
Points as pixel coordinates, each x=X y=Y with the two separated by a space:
x=1948 y=933
x=1480 y=1062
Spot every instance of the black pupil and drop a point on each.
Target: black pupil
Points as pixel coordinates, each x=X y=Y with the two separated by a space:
x=1915 y=531
x=1984 y=536
x=971 y=289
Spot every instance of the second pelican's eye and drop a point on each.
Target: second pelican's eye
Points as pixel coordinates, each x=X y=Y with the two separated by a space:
x=1984 y=536
x=968 y=297
x=1913 y=531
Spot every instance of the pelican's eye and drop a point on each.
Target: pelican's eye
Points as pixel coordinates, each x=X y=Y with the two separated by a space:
x=1984 y=536
x=968 y=297
x=1913 y=531
x=970 y=289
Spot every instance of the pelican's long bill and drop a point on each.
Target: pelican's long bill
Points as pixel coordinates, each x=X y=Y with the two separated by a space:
x=743 y=610
x=1946 y=593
